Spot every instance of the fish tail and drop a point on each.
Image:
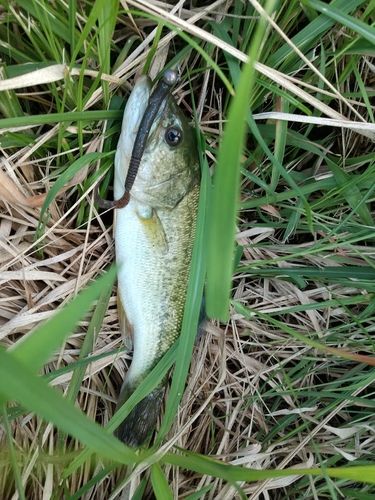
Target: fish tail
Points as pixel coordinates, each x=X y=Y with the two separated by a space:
x=138 y=425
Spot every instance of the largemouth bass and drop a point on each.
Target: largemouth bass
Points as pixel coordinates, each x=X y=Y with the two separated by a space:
x=154 y=235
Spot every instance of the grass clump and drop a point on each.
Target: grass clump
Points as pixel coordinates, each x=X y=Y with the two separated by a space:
x=279 y=400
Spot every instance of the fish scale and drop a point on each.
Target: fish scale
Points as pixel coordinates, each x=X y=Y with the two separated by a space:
x=154 y=235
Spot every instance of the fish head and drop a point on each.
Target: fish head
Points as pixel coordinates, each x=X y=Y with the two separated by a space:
x=169 y=168
x=133 y=114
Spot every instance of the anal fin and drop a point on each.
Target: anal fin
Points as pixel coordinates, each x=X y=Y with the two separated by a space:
x=126 y=328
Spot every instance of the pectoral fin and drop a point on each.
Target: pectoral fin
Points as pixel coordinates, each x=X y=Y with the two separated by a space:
x=153 y=227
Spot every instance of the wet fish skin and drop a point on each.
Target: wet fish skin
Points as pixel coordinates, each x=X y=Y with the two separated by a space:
x=154 y=237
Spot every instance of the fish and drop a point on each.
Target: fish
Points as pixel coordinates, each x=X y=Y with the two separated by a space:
x=154 y=236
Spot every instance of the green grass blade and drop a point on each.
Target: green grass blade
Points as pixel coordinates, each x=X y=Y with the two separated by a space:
x=154 y=48
x=24 y=386
x=152 y=380
x=13 y=456
x=232 y=473
x=77 y=495
x=199 y=494
x=160 y=484
x=89 y=25
x=194 y=45
x=139 y=492
x=90 y=338
x=352 y=194
x=224 y=207
x=107 y=21
x=324 y=273
x=330 y=10
x=280 y=142
x=192 y=309
x=9 y=102
x=72 y=9
x=360 y=358
x=66 y=176
x=363 y=91
x=307 y=37
x=293 y=220
x=70 y=116
x=35 y=349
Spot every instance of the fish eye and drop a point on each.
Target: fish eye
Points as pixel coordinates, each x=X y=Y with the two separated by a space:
x=173 y=136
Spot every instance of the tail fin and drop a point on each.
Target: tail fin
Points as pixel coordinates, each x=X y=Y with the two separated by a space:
x=138 y=425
